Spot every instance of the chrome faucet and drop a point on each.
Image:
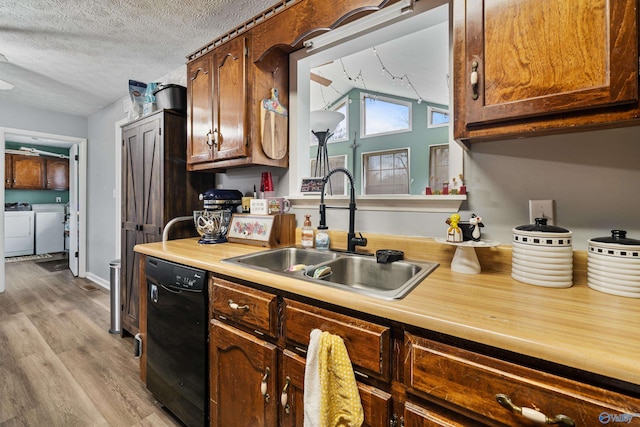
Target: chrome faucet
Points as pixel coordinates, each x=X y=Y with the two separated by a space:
x=352 y=240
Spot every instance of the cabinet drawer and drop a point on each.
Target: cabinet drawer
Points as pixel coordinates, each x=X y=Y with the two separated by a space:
x=468 y=383
x=368 y=343
x=250 y=307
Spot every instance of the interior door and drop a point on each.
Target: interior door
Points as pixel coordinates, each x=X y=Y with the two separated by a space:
x=74 y=230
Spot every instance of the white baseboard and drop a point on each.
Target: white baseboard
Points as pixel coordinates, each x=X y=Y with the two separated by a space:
x=99 y=281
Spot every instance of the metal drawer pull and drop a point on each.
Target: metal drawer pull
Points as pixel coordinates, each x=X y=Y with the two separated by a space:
x=263 y=385
x=235 y=306
x=284 y=397
x=532 y=414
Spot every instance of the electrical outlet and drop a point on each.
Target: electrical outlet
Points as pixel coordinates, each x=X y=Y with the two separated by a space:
x=542 y=209
x=58 y=199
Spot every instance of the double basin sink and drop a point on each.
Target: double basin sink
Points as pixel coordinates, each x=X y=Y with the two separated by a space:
x=361 y=274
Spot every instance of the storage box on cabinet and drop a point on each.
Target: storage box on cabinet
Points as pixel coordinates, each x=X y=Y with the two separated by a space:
x=368 y=344
x=468 y=383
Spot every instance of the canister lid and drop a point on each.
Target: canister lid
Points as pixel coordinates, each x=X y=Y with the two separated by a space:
x=542 y=227
x=617 y=237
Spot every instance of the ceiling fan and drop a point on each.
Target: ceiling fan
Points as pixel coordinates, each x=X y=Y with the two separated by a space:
x=315 y=77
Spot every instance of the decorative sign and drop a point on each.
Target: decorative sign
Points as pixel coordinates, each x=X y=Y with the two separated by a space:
x=311 y=185
x=263 y=230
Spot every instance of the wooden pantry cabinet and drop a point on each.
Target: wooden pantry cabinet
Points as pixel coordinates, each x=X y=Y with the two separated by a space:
x=156 y=188
x=406 y=376
x=531 y=67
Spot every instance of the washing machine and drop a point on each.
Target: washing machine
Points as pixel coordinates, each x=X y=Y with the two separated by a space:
x=49 y=228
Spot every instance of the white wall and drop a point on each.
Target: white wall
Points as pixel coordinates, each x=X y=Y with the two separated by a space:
x=592 y=177
x=34 y=119
x=101 y=182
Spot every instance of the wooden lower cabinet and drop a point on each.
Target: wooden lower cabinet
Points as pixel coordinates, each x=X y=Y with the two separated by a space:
x=241 y=367
x=405 y=379
x=376 y=403
x=472 y=384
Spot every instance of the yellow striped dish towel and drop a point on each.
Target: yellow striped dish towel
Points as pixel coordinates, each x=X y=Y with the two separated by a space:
x=331 y=396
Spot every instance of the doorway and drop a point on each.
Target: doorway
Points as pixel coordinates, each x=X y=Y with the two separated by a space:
x=77 y=191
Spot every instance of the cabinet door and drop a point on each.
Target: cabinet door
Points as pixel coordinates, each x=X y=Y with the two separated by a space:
x=28 y=172
x=534 y=58
x=421 y=416
x=57 y=174
x=376 y=403
x=200 y=110
x=241 y=367
x=142 y=206
x=8 y=171
x=230 y=106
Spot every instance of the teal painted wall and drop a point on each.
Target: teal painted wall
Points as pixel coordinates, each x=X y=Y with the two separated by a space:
x=35 y=196
x=419 y=140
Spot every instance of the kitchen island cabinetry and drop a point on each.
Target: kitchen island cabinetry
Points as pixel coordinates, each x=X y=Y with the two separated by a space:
x=530 y=67
x=155 y=189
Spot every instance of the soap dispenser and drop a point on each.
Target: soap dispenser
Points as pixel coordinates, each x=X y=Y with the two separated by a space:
x=322 y=238
x=307 y=232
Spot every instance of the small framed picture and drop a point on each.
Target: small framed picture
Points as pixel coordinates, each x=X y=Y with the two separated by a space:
x=251 y=229
x=312 y=185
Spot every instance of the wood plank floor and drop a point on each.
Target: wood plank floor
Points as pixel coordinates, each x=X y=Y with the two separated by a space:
x=59 y=365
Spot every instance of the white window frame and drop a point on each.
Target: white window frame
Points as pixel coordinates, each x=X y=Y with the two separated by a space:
x=363 y=179
x=430 y=111
x=344 y=101
x=363 y=114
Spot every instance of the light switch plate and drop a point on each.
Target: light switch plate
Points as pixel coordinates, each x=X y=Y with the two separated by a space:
x=542 y=209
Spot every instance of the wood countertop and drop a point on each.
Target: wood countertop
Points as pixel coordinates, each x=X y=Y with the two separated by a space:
x=577 y=326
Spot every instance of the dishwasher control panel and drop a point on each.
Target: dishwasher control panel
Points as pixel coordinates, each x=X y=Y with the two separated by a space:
x=179 y=276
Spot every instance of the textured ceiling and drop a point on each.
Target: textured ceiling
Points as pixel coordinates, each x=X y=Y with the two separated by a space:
x=76 y=57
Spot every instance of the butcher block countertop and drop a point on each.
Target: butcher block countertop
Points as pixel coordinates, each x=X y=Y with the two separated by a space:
x=577 y=326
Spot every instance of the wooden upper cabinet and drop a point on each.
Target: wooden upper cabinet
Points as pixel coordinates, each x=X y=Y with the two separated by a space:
x=523 y=65
x=28 y=172
x=8 y=170
x=200 y=120
x=230 y=136
x=57 y=174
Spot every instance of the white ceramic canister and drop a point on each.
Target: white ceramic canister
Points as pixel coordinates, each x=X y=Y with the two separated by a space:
x=613 y=264
x=542 y=255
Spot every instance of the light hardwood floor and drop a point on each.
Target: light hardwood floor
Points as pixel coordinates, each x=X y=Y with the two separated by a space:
x=59 y=365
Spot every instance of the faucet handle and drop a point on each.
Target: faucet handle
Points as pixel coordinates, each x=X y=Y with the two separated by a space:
x=359 y=241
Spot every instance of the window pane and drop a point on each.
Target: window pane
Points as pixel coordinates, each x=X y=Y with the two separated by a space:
x=342 y=132
x=386 y=172
x=385 y=116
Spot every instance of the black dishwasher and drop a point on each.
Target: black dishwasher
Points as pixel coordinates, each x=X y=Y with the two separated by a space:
x=177 y=356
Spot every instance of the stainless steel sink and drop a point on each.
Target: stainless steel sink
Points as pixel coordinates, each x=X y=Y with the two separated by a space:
x=280 y=260
x=356 y=273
